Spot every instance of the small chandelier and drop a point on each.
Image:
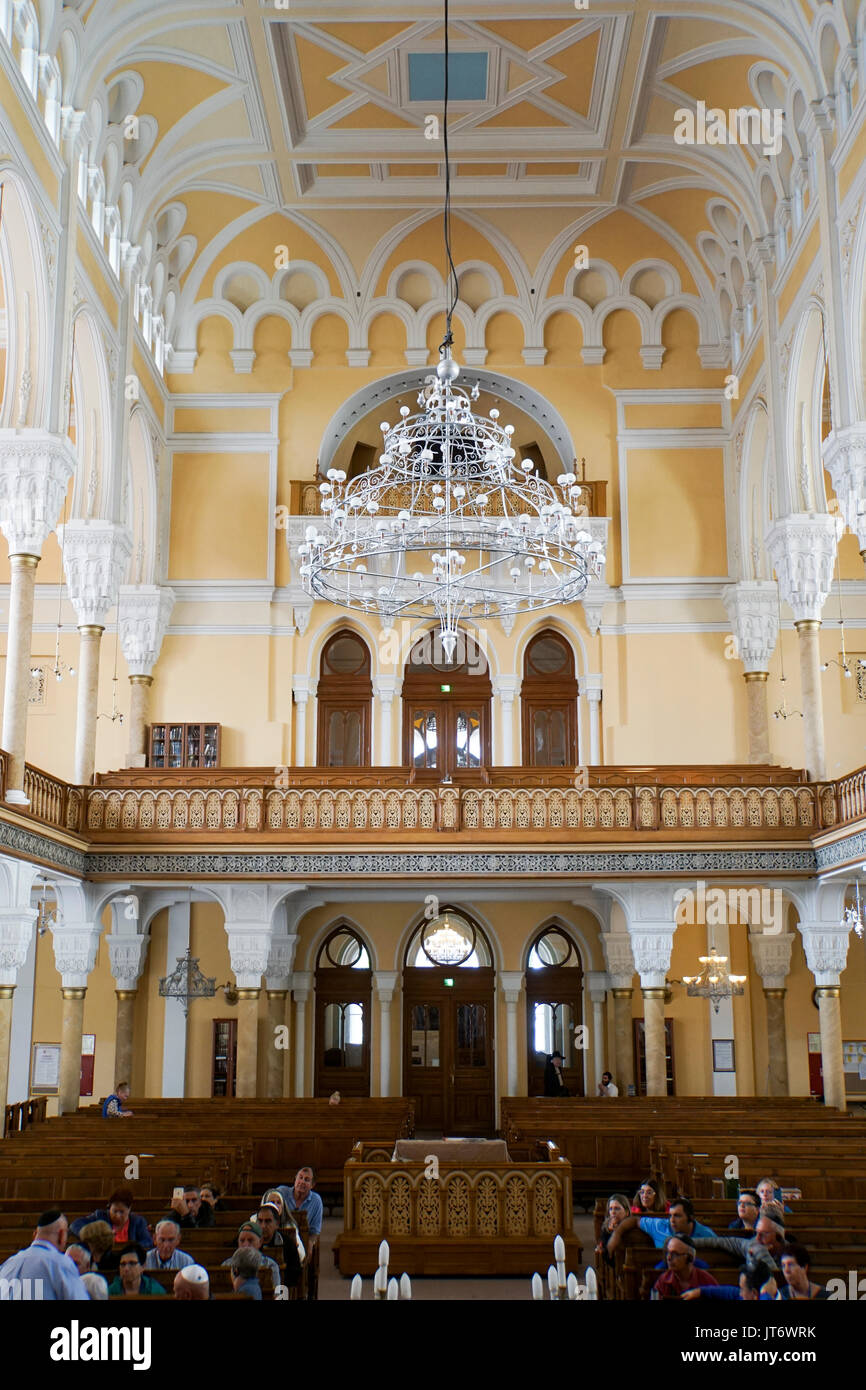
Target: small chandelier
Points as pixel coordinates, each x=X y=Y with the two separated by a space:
x=445 y=942
x=714 y=982
x=187 y=982
x=853 y=917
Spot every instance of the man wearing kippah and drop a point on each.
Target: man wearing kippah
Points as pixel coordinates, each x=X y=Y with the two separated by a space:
x=45 y=1262
x=250 y=1237
x=192 y=1284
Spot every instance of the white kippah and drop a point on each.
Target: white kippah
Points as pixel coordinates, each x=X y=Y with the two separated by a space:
x=195 y=1274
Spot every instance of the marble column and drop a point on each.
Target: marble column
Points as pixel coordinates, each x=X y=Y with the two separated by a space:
x=35 y=470
x=654 y=1040
x=96 y=554
x=145 y=610
x=591 y=687
x=752 y=607
x=826 y=949
x=275 y=1055
x=651 y=944
x=385 y=690
x=16 y=934
x=385 y=982
x=71 y=1029
x=75 y=948
x=620 y=970
x=511 y=983
x=803 y=550
x=304 y=692
x=596 y=983
x=248 y=1042
x=844 y=452
x=505 y=690
x=126 y=951
x=772 y=957
x=302 y=982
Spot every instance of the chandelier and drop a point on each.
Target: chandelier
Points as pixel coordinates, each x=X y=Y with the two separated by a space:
x=187 y=982
x=445 y=942
x=450 y=525
x=714 y=982
x=853 y=917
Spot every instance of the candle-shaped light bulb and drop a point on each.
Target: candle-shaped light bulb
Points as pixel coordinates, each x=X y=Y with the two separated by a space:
x=356 y=1289
x=384 y=1254
x=553 y=1282
x=393 y=1290
x=537 y=1288
x=591 y=1286
x=405 y=1286
x=559 y=1250
x=380 y=1282
x=571 y=1286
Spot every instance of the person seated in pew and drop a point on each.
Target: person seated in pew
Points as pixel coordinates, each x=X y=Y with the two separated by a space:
x=749 y=1290
x=288 y=1249
x=759 y=1250
x=680 y=1221
x=770 y=1190
x=606 y=1086
x=192 y=1284
x=99 y=1239
x=748 y=1210
x=78 y=1253
x=245 y=1265
x=301 y=1197
x=554 y=1081
x=617 y=1211
x=96 y=1286
x=114 y=1106
x=681 y=1273
x=132 y=1280
x=649 y=1200
x=166 y=1253
x=192 y=1214
x=126 y=1225
x=286 y=1222
x=795 y=1263
x=211 y=1197
x=250 y=1238
x=44 y=1259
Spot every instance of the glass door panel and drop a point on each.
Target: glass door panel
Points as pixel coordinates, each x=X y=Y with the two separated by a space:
x=467 y=738
x=425 y=1035
x=425 y=745
x=343 y=1035
x=471 y=1035
x=553 y=1031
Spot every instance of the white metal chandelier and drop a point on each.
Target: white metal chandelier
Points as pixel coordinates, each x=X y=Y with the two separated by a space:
x=450 y=525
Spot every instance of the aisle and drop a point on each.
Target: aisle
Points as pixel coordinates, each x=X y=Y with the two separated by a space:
x=334 y=1288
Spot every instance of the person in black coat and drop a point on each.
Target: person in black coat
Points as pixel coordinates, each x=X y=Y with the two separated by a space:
x=554 y=1082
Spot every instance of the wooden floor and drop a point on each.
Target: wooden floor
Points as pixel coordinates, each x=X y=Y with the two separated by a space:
x=334 y=1288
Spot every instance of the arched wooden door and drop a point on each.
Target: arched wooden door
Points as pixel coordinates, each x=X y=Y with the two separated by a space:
x=554 y=1005
x=549 y=703
x=446 y=711
x=449 y=1061
x=344 y=988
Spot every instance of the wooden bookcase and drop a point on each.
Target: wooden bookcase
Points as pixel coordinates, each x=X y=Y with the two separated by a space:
x=184 y=745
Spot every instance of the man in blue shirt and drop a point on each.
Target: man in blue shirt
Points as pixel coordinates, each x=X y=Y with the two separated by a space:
x=166 y=1254
x=51 y=1276
x=301 y=1197
x=680 y=1221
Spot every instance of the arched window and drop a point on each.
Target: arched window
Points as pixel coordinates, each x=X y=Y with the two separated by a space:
x=446 y=709
x=554 y=1004
x=549 y=701
x=448 y=1025
x=344 y=984
x=345 y=698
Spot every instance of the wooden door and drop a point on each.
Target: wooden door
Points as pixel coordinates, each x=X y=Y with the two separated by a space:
x=449 y=1052
x=225 y=1056
x=343 y=997
x=446 y=714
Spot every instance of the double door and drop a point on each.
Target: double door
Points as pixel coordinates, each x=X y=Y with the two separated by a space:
x=447 y=736
x=448 y=1064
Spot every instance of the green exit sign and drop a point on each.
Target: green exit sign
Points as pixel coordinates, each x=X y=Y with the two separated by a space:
x=449 y=982
x=446 y=689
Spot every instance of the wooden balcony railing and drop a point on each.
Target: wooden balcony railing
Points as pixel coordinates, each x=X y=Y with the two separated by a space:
x=556 y=805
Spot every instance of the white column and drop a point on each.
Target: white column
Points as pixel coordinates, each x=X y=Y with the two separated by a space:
x=385 y=688
x=174 y=1028
x=771 y=954
x=385 y=981
x=504 y=690
x=278 y=981
x=145 y=610
x=75 y=946
x=826 y=949
x=511 y=983
x=22 y=1028
x=304 y=690
x=845 y=460
x=596 y=982
x=591 y=686
x=302 y=982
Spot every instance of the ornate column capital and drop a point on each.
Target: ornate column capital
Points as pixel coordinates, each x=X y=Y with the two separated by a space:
x=249 y=949
x=505 y=688
x=511 y=983
x=16 y=933
x=126 y=955
x=618 y=958
x=826 y=951
x=592 y=686
x=802 y=547
x=752 y=607
x=385 y=982
x=385 y=688
x=145 y=610
x=594 y=599
x=35 y=469
x=772 y=957
x=844 y=454
x=280 y=961
x=596 y=981
x=302 y=984
x=651 y=945
x=96 y=554
x=304 y=688
x=75 y=952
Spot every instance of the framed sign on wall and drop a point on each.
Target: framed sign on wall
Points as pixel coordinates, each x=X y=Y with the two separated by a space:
x=45 y=1069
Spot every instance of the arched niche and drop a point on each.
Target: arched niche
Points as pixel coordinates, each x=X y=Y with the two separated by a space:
x=344 y=988
x=446 y=710
x=554 y=1007
x=345 y=698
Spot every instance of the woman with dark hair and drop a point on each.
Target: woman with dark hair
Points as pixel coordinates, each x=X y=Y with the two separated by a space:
x=212 y=1198
x=126 y=1226
x=554 y=1082
x=131 y=1281
x=649 y=1199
